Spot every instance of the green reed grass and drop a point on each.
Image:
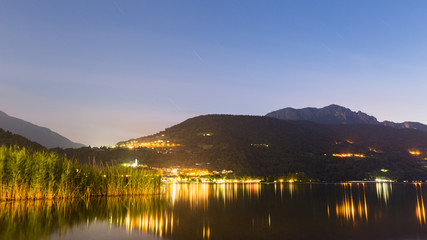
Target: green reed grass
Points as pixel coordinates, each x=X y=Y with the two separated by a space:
x=26 y=174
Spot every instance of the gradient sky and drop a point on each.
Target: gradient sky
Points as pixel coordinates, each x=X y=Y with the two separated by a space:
x=103 y=71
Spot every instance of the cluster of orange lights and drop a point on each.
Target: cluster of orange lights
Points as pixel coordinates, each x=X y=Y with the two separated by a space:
x=415 y=152
x=154 y=144
x=189 y=172
x=344 y=155
x=196 y=172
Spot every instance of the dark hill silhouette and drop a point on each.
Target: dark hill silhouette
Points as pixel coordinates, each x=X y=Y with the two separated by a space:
x=9 y=139
x=332 y=114
x=255 y=145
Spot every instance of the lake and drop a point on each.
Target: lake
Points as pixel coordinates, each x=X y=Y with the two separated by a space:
x=230 y=211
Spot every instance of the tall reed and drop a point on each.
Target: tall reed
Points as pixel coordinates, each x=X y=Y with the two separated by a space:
x=43 y=175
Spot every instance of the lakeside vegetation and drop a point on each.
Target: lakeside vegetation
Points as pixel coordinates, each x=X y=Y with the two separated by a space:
x=26 y=174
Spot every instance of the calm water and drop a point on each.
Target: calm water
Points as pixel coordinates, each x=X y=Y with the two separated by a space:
x=230 y=211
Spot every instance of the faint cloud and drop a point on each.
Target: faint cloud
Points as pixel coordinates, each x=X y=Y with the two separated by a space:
x=174 y=104
x=198 y=55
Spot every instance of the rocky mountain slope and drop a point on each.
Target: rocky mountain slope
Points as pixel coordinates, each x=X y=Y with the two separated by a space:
x=335 y=114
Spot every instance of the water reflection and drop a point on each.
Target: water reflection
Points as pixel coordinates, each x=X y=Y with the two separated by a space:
x=158 y=223
x=384 y=190
x=197 y=196
x=352 y=207
x=233 y=211
x=285 y=189
x=291 y=189
x=38 y=219
x=420 y=209
x=206 y=232
x=141 y=214
x=16 y=216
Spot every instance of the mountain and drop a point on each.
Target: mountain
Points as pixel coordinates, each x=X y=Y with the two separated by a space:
x=335 y=114
x=9 y=139
x=332 y=114
x=41 y=135
x=265 y=146
x=411 y=125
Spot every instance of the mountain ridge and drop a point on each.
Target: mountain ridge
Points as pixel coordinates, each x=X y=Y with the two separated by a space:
x=265 y=146
x=336 y=114
x=35 y=133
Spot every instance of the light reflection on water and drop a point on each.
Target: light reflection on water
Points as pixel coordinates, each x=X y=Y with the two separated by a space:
x=242 y=211
x=198 y=195
x=384 y=190
x=158 y=223
x=420 y=209
x=353 y=206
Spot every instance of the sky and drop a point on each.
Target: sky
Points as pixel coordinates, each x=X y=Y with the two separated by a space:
x=99 y=72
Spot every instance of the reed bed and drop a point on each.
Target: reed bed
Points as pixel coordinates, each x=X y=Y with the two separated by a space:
x=28 y=174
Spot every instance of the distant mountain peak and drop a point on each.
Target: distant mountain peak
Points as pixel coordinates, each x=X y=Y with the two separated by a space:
x=336 y=106
x=336 y=114
x=41 y=135
x=332 y=114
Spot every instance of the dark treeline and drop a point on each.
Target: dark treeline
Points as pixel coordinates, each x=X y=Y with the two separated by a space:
x=33 y=174
x=10 y=139
x=111 y=156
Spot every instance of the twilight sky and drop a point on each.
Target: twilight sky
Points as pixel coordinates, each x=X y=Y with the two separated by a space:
x=103 y=71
